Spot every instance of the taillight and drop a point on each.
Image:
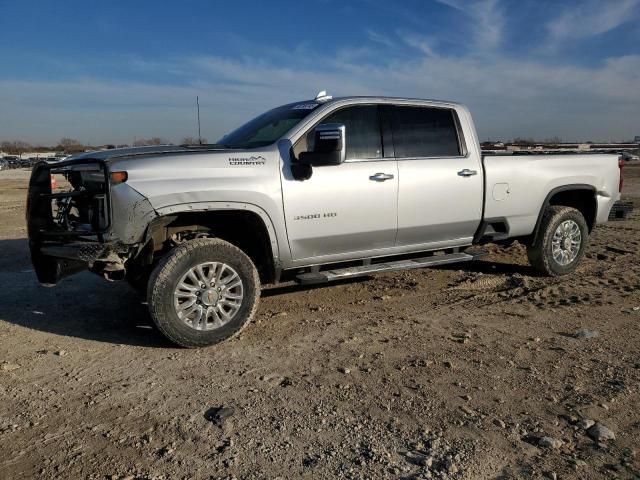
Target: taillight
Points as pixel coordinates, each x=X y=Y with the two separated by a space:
x=621 y=167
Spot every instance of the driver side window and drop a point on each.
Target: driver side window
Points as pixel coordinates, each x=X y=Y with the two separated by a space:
x=362 y=132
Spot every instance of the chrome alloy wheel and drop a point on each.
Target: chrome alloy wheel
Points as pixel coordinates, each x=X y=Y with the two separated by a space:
x=208 y=296
x=566 y=242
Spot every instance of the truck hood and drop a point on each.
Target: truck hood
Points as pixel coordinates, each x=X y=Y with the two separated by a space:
x=189 y=177
x=133 y=152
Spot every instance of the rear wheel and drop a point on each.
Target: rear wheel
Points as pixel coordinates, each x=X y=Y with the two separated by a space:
x=561 y=241
x=204 y=291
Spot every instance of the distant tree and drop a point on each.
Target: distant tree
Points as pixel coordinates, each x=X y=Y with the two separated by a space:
x=554 y=140
x=15 y=147
x=150 y=141
x=192 y=141
x=524 y=141
x=70 y=145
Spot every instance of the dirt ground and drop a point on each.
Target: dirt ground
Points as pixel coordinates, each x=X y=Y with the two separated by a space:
x=435 y=373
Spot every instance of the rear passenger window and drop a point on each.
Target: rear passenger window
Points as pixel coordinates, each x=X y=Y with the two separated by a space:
x=424 y=132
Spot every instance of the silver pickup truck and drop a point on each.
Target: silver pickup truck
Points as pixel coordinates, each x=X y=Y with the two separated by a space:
x=313 y=191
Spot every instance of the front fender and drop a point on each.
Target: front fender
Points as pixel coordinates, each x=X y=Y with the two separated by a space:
x=222 y=206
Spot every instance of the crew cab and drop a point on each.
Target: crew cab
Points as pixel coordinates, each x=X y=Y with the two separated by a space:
x=312 y=191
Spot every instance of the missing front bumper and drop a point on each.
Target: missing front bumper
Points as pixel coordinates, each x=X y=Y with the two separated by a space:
x=66 y=228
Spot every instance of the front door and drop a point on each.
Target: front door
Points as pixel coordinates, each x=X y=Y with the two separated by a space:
x=349 y=208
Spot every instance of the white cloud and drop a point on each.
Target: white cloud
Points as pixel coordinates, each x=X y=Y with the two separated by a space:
x=379 y=38
x=419 y=42
x=593 y=17
x=508 y=97
x=484 y=17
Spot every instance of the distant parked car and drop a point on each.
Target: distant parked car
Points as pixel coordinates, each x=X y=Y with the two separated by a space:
x=12 y=161
x=628 y=157
x=3 y=165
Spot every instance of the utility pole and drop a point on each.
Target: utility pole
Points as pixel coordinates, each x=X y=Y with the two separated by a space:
x=198 y=106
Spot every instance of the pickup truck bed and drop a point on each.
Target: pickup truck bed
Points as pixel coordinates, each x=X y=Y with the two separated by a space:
x=517 y=186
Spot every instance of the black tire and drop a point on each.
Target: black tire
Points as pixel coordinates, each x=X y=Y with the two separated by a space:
x=540 y=254
x=166 y=275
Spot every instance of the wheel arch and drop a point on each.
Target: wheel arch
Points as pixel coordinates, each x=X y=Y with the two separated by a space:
x=580 y=196
x=246 y=226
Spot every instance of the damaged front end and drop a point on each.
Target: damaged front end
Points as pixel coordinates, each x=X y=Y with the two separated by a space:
x=69 y=222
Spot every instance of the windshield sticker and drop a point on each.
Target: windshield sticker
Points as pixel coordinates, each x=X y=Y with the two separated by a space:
x=255 y=161
x=305 y=106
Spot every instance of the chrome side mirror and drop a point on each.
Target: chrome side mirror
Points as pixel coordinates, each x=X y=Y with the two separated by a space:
x=329 y=147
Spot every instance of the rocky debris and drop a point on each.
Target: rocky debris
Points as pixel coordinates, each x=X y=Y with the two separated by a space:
x=382 y=298
x=438 y=457
x=585 y=423
x=578 y=464
x=166 y=451
x=467 y=410
x=61 y=353
x=499 y=423
x=461 y=337
x=286 y=382
x=9 y=367
x=601 y=433
x=550 y=442
x=418 y=458
x=219 y=415
x=344 y=370
x=584 y=333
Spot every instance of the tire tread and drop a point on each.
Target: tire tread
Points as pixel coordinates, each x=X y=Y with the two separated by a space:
x=162 y=276
x=537 y=253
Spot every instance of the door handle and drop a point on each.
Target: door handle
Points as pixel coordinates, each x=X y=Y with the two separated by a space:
x=467 y=173
x=381 y=177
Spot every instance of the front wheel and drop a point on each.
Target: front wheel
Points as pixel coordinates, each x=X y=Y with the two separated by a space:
x=204 y=291
x=561 y=241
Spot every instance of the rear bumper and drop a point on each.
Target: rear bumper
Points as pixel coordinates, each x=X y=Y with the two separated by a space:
x=620 y=210
x=604 y=205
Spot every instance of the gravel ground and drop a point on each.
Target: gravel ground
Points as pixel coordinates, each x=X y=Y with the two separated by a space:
x=488 y=372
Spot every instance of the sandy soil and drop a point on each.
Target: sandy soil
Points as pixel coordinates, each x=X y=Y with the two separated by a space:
x=437 y=373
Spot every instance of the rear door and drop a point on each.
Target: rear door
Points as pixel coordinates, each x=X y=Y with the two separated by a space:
x=349 y=208
x=440 y=181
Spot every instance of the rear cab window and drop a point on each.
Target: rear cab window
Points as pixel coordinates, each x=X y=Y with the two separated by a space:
x=425 y=132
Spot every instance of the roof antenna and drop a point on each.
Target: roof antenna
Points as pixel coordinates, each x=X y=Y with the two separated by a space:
x=322 y=96
x=198 y=106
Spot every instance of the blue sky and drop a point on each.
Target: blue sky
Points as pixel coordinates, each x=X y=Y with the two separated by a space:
x=109 y=71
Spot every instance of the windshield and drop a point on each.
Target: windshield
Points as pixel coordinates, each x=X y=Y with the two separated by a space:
x=268 y=127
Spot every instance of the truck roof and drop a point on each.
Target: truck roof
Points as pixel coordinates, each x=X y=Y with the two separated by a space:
x=386 y=99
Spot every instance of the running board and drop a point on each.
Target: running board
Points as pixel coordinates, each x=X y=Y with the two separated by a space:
x=362 y=270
